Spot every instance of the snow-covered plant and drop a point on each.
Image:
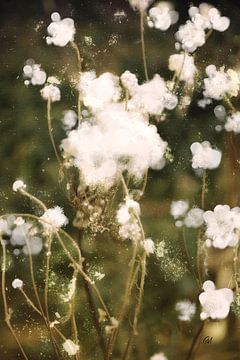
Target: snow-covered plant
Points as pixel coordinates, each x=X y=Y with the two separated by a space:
x=110 y=144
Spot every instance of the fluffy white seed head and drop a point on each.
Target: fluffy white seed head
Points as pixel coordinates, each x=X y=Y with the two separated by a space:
x=140 y=5
x=97 y=92
x=179 y=208
x=35 y=74
x=204 y=156
x=190 y=36
x=220 y=83
x=69 y=119
x=158 y=356
x=114 y=141
x=186 y=310
x=162 y=16
x=149 y=246
x=17 y=284
x=215 y=303
x=18 y=185
x=222 y=226
x=60 y=32
x=51 y=92
x=70 y=347
x=233 y=123
x=54 y=217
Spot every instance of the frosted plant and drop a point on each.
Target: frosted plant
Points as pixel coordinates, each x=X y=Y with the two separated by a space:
x=110 y=144
x=204 y=156
x=215 y=303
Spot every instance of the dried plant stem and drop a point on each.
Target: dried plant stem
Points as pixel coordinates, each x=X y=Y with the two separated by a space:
x=77 y=265
x=145 y=179
x=74 y=326
x=177 y=76
x=47 y=268
x=5 y=303
x=31 y=304
x=79 y=62
x=143 y=45
x=93 y=309
x=84 y=275
x=34 y=199
x=204 y=187
x=127 y=352
x=232 y=145
x=50 y=131
x=188 y=258
x=126 y=300
x=46 y=319
x=194 y=344
x=199 y=239
x=133 y=272
x=29 y=301
x=235 y=266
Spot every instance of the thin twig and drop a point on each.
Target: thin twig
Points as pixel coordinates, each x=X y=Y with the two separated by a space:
x=127 y=352
x=195 y=342
x=79 y=62
x=5 y=303
x=50 y=131
x=93 y=309
x=143 y=45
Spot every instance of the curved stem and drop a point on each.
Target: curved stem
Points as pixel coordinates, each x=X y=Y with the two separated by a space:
x=50 y=131
x=79 y=62
x=5 y=303
x=93 y=310
x=127 y=352
x=204 y=186
x=195 y=342
x=48 y=255
x=125 y=302
x=46 y=319
x=143 y=45
x=235 y=267
x=34 y=199
x=29 y=301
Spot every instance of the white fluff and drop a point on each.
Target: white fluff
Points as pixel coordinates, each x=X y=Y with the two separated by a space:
x=215 y=303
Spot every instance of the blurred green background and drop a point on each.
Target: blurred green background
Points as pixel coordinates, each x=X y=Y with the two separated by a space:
x=26 y=152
